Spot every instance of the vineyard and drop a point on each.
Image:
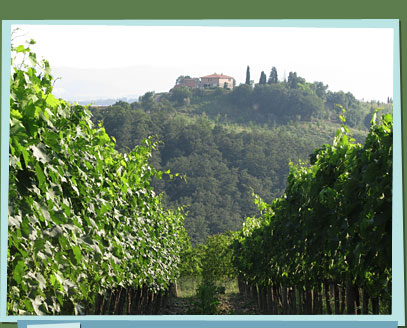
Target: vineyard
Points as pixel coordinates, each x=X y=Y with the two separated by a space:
x=325 y=245
x=87 y=233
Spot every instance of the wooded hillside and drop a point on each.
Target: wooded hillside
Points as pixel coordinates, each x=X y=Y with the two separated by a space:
x=229 y=144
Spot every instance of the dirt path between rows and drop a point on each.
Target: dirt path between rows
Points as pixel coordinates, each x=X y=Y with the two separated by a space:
x=229 y=304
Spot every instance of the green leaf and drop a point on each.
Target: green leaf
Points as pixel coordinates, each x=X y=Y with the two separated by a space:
x=52 y=101
x=40 y=175
x=20 y=48
x=77 y=253
x=18 y=272
x=39 y=153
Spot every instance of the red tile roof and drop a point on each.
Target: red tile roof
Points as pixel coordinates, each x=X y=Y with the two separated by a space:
x=216 y=76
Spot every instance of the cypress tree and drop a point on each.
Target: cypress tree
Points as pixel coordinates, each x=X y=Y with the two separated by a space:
x=248 y=75
x=263 y=78
x=273 y=76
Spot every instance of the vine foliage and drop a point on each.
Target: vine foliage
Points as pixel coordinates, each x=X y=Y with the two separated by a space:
x=86 y=233
x=329 y=236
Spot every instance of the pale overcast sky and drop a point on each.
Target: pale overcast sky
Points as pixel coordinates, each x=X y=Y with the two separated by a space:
x=118 y=61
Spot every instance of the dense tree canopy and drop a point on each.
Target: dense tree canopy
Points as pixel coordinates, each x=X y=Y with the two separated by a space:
x=228 y=143
x=223 y=163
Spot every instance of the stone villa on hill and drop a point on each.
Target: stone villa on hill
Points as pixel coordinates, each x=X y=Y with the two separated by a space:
x=207 y=82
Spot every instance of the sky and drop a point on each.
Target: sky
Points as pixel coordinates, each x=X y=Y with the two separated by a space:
x=96 y=62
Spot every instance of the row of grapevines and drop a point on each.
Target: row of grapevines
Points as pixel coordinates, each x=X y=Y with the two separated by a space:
x=83 y=218
x=331 y=227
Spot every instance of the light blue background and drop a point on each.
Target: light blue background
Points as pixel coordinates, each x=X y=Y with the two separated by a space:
x=51 y=325
x=230 y=324
x=318 y=321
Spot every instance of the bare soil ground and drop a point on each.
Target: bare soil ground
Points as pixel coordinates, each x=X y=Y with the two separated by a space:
x=230 y=304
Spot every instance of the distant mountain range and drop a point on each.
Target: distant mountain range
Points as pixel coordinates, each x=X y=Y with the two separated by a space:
x=105 y=102
x=105 y=86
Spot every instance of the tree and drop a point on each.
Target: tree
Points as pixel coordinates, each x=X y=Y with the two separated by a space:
x=320 y=89
x=181 y=79
x=180 y=95
x=262 y=78
x=293 y=80
x=273 y=76
x=147 y=100
x=216 y=260
x=248 y=75
x=242 y=96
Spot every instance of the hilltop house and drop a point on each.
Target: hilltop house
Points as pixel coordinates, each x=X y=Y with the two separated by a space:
x=208 y=81
x=217 y=81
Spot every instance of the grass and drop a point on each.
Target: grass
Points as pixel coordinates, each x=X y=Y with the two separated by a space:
x=187 y=286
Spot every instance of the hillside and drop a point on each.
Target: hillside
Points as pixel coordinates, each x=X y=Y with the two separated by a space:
x=228 y=144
